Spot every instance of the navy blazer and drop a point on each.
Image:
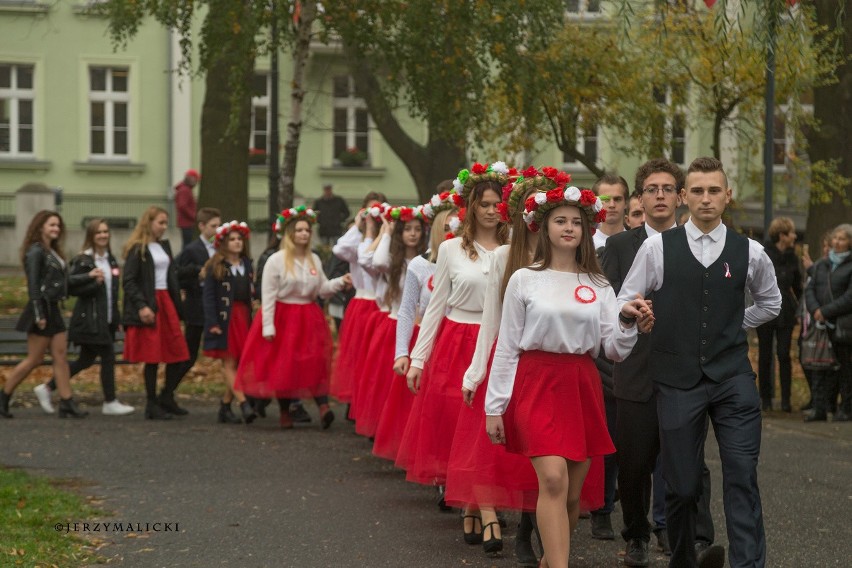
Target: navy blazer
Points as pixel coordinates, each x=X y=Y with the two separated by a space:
x=190 y=261
x=217 y=300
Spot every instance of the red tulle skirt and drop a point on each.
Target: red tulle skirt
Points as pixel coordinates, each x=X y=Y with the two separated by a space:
x=557 y=409
x=295 y=364
x=485 y=474
x=375 y=382
x=425 y=449
x=162 y=342
x=362 y=366
x=395 y=414
x=238 y=329
x=351 y=342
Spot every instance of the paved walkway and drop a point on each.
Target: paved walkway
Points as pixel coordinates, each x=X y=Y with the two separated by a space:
x=256 y=496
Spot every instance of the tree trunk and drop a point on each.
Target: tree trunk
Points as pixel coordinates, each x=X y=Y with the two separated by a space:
x=830 y=141
x=297 y=96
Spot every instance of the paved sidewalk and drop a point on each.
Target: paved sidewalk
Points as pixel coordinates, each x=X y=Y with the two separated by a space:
x=257 y=496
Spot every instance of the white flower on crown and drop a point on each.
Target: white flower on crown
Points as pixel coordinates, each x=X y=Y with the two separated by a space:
x=500 y=168
x=529 y=216
x=374 y=211
x=458 y=185
x=428 y=211
x=436 y=200
x=598 y=204
x=454 y=224
x=572 y=194
x=541 y=198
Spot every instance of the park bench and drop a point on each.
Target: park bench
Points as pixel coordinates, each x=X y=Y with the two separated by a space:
x=13 y=345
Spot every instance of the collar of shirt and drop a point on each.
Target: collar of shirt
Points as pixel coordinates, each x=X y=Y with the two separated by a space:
x=211 y=250
x=695 y=233
x=237 y=269
x=651 y=231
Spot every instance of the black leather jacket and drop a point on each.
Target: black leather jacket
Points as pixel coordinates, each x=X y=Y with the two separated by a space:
x=89 y=325
x=47 y=278
x=139 y=287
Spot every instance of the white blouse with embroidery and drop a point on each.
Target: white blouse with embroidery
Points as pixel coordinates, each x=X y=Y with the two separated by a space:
x=415 y=298
x=346 y=248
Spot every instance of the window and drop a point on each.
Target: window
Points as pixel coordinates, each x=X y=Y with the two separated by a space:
x=587 y=144
x=109 y=102
x=260 y=120
x=785 y=137
x=673 y=127
x=577 y=7
x=351 y=119
x=16 y=110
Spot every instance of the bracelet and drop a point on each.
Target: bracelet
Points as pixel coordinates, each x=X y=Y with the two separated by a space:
x=626 y=320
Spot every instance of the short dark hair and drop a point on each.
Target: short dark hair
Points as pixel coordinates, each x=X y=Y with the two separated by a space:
x=657 y=165
x=373 y=196
x=206 y=213
x=612 y=179
x=707 y=164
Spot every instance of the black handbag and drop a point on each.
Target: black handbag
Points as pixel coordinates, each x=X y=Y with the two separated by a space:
x=817 y=352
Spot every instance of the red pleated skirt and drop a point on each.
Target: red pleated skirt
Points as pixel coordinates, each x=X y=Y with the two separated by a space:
x=557 y=409
x=238 y=329
x=362 y=366
x=395 y=414
x=350 y=344
x=485 y=474
x=162 y=342
x=295 y=364
x=374 y=385
x=425 y=449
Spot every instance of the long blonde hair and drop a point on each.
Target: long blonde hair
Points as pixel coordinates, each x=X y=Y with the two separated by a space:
x=469 y=223
x=288 y=245
x=437 y=234
x=142 y=233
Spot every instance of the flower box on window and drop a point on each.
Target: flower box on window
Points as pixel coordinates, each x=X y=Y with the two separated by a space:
x=352 y=158
x=257 y=157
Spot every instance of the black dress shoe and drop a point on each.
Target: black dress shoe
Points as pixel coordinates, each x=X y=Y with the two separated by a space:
x=153 y=411
x=442 y=505
x=4 y=405
x=226 y=415
x=524 y=553
x=248 y=412
x=299 y=414
x=710 y=555
x=840 y=416
x=68 y=409
x=602 y=527
x=474 y=536
x=491 y=545
x=167 y=402
x=637 y=553
x=259 y=404
x=663 y=541
x=815 y=416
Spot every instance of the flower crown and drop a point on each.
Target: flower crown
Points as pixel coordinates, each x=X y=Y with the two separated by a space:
x=552 y=193
x=226 y=228
x=406 y=214
x=515 y=190
x=377 y=211
x=478 y=173
x=442 y=202
x=300 y=213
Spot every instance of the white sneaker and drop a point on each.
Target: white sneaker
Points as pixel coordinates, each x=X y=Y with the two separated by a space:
x=116 y=408
x=43 y=393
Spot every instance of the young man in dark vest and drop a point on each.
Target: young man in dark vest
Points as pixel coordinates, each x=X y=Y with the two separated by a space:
x=699 y=361
x=658 y=188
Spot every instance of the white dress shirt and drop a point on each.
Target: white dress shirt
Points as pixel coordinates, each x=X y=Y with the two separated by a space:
x=541 y=312
x=646 y=273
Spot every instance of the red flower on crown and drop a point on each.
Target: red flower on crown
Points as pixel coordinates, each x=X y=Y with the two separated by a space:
x=562 y=178
x=503 y=209
x=478 y=168
x=530 y=203
x=507 y=191
x=587 y=197
x=458 y=200
x=444 y=195
x=530 y=172
x=555 y=195
x=462 y=214
x=513 y=172
x=600 y=216
x=549 y=172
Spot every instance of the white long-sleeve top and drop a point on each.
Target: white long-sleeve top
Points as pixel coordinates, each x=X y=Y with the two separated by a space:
x=540 y=312
x=459 y=286
x=415 y=298
x=491 y=312
x=646 y=272
x=374 y=277
x=302 y=286
x=346 y=248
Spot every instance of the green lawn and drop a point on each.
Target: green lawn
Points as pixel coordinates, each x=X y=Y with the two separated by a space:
x=30 y=510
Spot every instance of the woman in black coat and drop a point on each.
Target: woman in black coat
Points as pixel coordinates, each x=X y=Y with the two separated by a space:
x=47 y=284
x=94 y=279
x=829 y=296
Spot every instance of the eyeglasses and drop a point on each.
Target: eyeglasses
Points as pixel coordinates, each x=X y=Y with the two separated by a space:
x=654 y=189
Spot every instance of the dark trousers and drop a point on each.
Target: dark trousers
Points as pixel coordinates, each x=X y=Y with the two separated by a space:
x=658 y=502
x=193 y=335
x=88 y=354
x=766 y=378
x=844 y=376
x=610 y=461
x=734 y=408
x=187 y=235
x=637 y=443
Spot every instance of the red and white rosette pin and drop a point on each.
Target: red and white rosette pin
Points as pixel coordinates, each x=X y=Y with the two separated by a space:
x=585 y=294
x=430 y=283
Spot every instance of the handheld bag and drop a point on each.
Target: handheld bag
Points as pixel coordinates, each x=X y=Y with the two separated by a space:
x=817 y=351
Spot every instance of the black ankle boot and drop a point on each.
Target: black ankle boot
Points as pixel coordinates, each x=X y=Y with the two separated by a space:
x=68 y=409
x=4 y=404
x=248 y=412
x=167 y=402
x=226 y=415
x=524 y=553
x=154 y=411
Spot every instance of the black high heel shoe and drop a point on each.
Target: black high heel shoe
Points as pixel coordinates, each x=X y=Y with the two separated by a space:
x=491 y=545
x=68 y=409
x=4 y=405
x=226 y=415
x=473 y=537
x=248 y=411
x=154 y=411
x=167 y=403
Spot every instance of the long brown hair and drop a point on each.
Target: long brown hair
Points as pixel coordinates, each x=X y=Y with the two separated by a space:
x=288 y=245
x=518 y=253
x=92 y=228
x=33 y=234
x=216 y=264
x=397 y=256
x=141 y=234
x=587 y=260
x=469 y=224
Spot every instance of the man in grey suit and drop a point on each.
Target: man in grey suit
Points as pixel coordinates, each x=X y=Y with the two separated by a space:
x=658 y=185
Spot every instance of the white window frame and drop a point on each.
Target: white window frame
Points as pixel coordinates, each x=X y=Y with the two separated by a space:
x=781 y=112
x=351 y=104
x=109 y=98
x=583 y=11
x=581 y=147
x=668 y=128
x=256 y=103
x=14 y=95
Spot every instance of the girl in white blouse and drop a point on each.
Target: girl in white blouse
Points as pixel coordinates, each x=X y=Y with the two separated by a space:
x=288 y=351
x=544 y=396
x=448 y=336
